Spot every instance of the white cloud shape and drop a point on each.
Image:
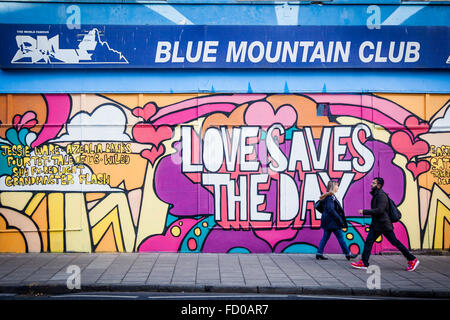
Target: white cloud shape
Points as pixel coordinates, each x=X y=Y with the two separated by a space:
x=106 y=123
x=4 y=141
x=442 y=124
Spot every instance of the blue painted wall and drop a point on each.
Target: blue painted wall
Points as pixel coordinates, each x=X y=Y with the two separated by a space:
x=225 y=12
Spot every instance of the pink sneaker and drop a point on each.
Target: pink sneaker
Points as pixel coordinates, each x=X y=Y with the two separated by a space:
x=412 y=265
x=359 y=265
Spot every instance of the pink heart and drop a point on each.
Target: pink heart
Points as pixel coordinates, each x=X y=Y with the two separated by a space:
x=146 y=112
x=153 y=153
x=261 y=113
x=412 y=123
x=30 y=124
x=418 y=168
x=146 y=133
x=403 y=144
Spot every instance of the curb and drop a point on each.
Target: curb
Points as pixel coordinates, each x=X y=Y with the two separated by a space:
x=62 y=289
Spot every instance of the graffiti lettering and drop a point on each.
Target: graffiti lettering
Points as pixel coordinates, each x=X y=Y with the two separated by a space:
x=41 y=180
x=440 y=164
x=100 y=178
x=218 y=150
x=47 y=150
x=51 y=165
x=249 y=192
x=237 y=170
x=16 y=151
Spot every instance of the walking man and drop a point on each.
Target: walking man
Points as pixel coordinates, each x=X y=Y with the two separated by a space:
x=381 y=225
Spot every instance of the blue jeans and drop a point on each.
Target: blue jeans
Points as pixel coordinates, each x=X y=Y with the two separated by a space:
x=340 y=237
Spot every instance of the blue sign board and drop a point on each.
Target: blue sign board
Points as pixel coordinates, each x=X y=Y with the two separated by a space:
x=224 y=47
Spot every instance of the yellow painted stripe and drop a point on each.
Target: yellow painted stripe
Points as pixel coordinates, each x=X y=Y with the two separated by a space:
x=56 y=221
x=100 y=229
x=124 y=224
x=77 y=228
x=34 y=203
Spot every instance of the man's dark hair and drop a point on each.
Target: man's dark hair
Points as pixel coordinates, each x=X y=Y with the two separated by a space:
x=380 y=181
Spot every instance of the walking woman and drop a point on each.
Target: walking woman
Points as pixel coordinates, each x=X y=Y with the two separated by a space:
x=333 y=220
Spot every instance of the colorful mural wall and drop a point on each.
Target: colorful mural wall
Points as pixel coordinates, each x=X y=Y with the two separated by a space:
x=217 y=172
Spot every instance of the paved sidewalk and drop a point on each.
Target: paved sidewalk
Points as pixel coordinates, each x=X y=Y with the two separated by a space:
x=240 y=273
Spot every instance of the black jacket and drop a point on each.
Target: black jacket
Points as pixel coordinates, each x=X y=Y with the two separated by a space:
x=379 y=212
x=333 y=216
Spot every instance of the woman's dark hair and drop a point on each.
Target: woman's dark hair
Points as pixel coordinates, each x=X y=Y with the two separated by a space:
x=380 y=181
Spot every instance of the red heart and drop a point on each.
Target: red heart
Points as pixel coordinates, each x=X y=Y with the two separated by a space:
x=146 y=133
x=412 y=123
x=16 y=119
x=153 y=153
x=418 y=168
x=403 y=144
x=146 y=112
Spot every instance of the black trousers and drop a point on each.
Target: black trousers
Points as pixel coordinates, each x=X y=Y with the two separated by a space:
x=390 y=236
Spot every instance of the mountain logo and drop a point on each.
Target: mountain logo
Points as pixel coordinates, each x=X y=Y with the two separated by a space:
x=42 y=50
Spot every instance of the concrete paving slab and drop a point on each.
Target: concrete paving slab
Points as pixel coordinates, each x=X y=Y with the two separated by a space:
x=196 y=272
